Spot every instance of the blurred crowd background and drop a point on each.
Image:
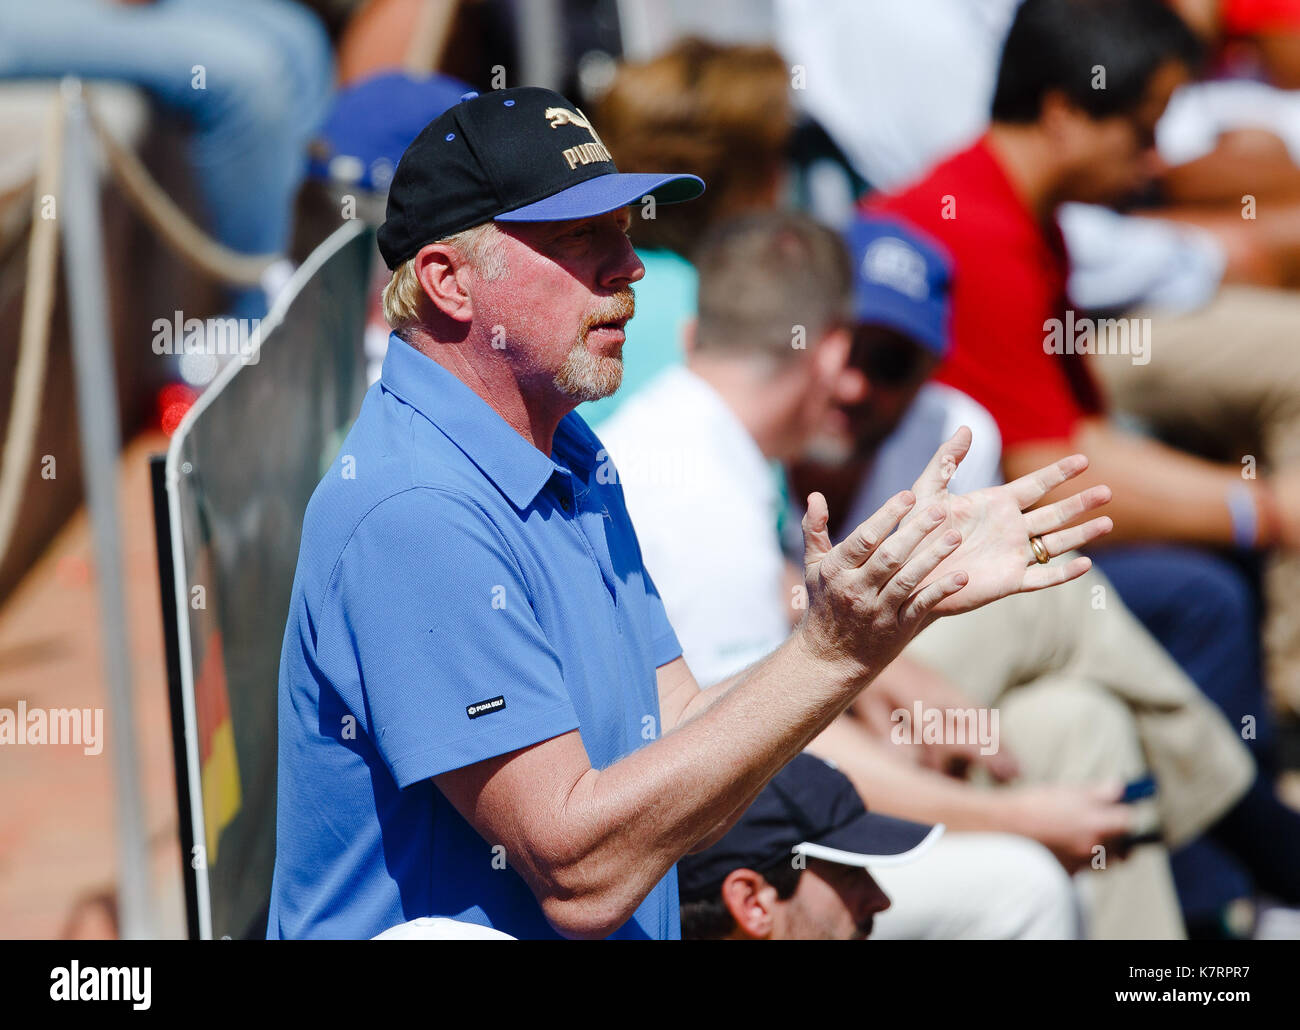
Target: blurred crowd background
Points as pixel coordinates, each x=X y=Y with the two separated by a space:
x=1071 y=225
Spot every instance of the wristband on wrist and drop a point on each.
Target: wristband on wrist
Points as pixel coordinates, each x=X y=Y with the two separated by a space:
x=1244 y=513
x=1256 y=522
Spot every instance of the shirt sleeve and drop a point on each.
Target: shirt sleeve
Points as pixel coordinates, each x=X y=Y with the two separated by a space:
x=618 y=438
x=430 y=609
x=664 y=646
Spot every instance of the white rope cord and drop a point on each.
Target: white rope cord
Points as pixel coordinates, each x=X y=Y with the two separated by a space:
x=34 y=335
x=177 y=230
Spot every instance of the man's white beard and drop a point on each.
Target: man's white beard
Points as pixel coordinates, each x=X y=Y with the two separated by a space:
x=588 y=377
x=828 y=449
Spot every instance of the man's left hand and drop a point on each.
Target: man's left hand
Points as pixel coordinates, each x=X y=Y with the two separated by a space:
x=995 y=527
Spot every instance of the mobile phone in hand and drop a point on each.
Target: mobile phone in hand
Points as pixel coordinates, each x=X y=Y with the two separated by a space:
x=1138 y=790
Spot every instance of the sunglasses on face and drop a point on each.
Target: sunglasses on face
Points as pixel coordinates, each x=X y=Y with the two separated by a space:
x=888 y=359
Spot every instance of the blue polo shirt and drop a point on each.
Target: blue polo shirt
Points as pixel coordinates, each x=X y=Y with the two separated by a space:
x=458 y=595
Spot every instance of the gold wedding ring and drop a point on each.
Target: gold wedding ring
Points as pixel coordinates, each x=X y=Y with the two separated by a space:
x=1040 y=550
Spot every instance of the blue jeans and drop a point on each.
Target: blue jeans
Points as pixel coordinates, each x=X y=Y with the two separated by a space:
x=253 y=77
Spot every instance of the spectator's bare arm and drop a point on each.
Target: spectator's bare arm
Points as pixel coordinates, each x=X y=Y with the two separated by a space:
x=1158 y=493
x=890 y=703
x=1253 y=161
x=1069 y=820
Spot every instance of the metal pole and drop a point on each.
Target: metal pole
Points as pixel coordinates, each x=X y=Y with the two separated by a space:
x=97 y=419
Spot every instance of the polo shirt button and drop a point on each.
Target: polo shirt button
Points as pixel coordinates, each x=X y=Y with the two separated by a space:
x=564 y=503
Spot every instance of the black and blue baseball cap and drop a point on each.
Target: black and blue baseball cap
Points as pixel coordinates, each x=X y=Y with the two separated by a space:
x=809 y=808
x=902 y=280
x=513 y=155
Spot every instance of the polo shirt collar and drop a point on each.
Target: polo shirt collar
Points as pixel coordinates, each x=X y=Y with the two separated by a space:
x=517 y=468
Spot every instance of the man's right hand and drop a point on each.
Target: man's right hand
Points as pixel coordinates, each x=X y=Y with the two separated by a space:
x=1071 y=821
x=864 y=596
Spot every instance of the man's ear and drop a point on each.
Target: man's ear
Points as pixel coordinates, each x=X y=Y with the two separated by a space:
x=443 y=275
x=752 y=902
x=688 y=336
x=1060 y=121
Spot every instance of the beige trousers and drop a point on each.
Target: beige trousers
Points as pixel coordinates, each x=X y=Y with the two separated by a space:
x=1224 y=381
x=1085 y=695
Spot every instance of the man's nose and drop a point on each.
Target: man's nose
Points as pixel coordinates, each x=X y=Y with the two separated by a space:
x=872 y=899
x=850 y=387
x=623 y=267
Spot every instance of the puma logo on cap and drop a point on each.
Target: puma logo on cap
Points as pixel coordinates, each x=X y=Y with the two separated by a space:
x=583 y=153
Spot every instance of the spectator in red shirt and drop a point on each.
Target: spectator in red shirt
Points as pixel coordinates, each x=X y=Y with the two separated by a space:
x=1055 y=138
x=971 y=204
x=1081 y=86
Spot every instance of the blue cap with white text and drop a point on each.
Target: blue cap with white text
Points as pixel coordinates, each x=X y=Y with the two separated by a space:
x=901 y=280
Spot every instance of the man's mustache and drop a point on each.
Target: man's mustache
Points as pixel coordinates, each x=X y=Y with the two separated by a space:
x=619 y=307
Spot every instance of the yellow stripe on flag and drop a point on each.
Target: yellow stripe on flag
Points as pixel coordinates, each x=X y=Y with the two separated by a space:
x=220 y=778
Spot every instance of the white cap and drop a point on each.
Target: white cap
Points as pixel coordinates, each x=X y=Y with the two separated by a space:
x=437 y=928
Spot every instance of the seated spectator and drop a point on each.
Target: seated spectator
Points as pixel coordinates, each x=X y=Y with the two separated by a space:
x=796 y=865
x=1218 y=141
x=1196 y=270
x=1055 y=138
x=609 y=763
x=893 y=346
x=700 y=439
x=253 y=77
x=900 y=337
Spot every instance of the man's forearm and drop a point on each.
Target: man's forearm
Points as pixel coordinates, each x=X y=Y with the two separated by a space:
x=697 y=706
x=701 y=704
x=708 y=696
x=640 y=815
x=1220 y=178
